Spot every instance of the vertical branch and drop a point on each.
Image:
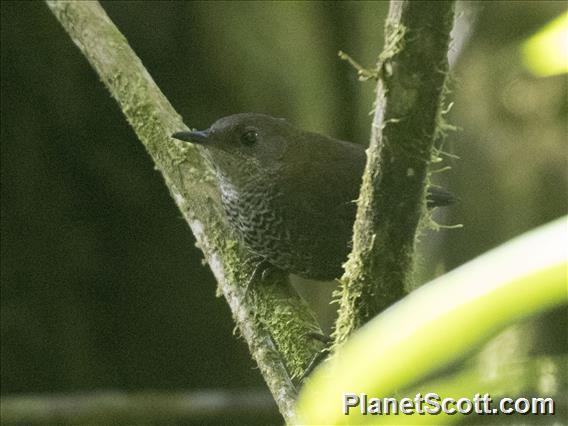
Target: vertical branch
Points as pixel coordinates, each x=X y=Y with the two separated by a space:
x=277 y=326
x=412 y=74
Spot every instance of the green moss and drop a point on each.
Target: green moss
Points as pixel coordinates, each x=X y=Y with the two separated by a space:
x=391 y=206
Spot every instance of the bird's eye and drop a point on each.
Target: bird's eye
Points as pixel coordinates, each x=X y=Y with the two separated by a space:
x=249 y=137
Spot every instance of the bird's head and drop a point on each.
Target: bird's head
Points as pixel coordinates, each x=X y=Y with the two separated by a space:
x=243 y=145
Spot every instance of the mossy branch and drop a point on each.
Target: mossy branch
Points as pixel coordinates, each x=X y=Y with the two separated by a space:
x=412 y=73
x=278 y=324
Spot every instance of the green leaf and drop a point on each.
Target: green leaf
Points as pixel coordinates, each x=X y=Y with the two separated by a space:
x=546 y=52
x=440 y=323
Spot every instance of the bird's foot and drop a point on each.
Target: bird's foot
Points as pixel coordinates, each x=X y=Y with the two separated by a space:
x=262 y=271
x=316 y=360
x=326 y=340
x=318 y=357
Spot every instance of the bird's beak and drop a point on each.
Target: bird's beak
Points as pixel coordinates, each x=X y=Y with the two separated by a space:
x=200 y=137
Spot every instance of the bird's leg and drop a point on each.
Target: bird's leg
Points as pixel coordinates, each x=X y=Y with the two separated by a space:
x=263 y=270
x=318 y=357
x=316 y=360
x=260 y=270
x=326 y=340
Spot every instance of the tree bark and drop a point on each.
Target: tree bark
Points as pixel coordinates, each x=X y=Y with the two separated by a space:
x=412 y=73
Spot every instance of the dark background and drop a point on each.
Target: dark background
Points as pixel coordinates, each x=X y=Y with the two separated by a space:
x=101 y=285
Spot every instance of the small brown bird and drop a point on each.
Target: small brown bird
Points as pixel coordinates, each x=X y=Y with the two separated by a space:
x=288 y=193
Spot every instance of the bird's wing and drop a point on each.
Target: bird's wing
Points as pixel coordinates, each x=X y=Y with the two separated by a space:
x=325 y=184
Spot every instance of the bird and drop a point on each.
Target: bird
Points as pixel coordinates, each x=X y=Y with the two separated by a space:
x=289 y=194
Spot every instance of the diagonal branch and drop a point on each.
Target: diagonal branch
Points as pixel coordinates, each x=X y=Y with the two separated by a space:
x=272 y=318
x=413 y=69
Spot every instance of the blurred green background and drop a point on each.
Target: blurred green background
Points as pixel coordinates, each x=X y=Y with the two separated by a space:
x=101 y=285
